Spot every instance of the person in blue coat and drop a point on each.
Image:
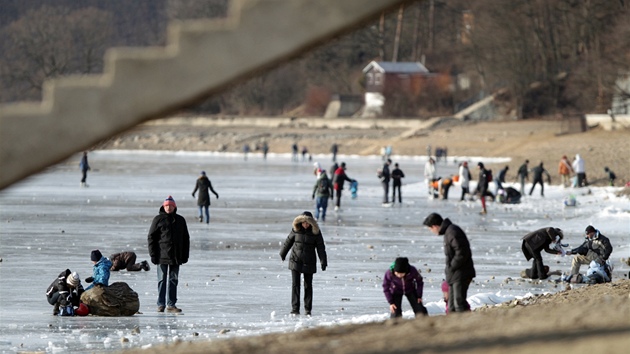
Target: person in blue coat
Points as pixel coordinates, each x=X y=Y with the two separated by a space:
x=100 y=271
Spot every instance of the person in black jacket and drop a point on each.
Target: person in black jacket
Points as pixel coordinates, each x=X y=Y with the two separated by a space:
x=385 y=177
x=304 y=240
x=537 y=173
x=397 y=176
x=534 y=243
x=66 y=290
x=596 y=247
x=203 y=201
x=482 y=186
x=460 y=269
x=169 y=246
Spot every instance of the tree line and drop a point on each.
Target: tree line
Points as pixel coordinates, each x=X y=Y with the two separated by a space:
x=550 y=56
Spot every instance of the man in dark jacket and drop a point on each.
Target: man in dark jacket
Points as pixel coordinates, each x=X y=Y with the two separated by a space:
x=534 y=243
x=523 y=175
x=397 y=176
x=537 y=173
x=203 y=201
x=385 y=177
x=338 y=181
x=460 y=269
x=127 y=260
x=322 y=190
x=482 y=186
x=169 y=246
x=304 y=240
x=596 y=247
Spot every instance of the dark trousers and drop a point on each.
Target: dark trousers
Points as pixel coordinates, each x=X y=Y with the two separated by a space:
x=83 y=176
x=295 y=291
x=167 y=274
x=396 y=187
x=385 y=191
x=413 y=301
x=464 y=192
x=542 y=187
x=132 y=266
x=338 y=196
x=538 y=269
x=581 y=179
x=457 y=296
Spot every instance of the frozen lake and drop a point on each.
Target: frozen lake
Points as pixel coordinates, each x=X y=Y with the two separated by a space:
x=235 y=283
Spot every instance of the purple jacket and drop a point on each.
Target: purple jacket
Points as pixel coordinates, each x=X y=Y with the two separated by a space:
x=411 y=282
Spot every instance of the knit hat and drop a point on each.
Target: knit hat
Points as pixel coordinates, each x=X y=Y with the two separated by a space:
x=401 y=265
x=444 y=287
x=203 y=173
x=480 y=164
x=307 y=213
x=96 y=256
x=73 y=279
x=589 y=229
x=169 y=201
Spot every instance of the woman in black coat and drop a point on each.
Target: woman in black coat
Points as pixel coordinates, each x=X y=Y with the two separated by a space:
x=534 y=243
x=304 y=241
x=203 y=201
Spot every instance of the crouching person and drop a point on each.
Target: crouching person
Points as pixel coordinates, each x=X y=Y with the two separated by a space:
x=403 y=279
x=65 y=293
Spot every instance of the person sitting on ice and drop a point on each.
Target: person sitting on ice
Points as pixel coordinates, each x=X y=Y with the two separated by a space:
x=596 y=247
x=127 y=260
x=403 y=279
x=100 y=271
x=65 y=291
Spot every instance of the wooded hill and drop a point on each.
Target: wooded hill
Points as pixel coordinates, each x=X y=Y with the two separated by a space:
x=547 y=56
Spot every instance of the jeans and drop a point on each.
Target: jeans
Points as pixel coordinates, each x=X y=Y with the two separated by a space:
x=321 y=202
x=457 y=296
x=201 y=208
x=295 y=291
x=386 y=192
x=167 y=273
x=522 y=180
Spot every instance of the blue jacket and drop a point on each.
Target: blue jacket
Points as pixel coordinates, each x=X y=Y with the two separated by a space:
x=100 y=273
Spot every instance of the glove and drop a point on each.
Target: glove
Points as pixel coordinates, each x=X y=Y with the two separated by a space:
x=193 y=195
x=323 y=268
x=217 y=196
x=313 y=197
x=331 y=197
x=282 y=258
x=155 y=260
x=89 y=279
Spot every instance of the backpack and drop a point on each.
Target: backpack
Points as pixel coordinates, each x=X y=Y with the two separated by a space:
x=324 y=185
x=379 y=173
x=489 y=175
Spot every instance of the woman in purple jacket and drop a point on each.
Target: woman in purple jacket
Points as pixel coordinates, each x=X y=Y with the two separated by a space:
x=403 y=279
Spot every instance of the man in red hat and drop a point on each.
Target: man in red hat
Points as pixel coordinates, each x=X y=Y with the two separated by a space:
x=169 y=246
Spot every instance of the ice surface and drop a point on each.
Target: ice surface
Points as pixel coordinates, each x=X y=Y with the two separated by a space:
x=235 y=283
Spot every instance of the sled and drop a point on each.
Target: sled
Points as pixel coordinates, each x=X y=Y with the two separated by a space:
x=354 y=187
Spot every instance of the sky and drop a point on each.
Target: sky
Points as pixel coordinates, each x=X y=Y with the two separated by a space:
x=235 y=283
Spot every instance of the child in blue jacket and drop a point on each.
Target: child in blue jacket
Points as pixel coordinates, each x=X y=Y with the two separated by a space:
x=403 y=279
x=100 y=272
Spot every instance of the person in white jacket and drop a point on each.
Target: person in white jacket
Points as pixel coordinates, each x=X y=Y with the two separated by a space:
x=430 y=174
x=580 y=171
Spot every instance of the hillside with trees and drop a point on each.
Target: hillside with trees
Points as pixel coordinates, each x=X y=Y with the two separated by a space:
x=547 y=57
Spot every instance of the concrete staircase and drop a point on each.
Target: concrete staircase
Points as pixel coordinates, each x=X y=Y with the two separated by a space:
x=201 y=58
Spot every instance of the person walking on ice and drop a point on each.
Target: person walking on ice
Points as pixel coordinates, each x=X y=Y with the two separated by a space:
x=304 y=241
x=203 y=201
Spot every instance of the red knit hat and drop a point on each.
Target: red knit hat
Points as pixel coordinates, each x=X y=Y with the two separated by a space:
x=169 y=201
